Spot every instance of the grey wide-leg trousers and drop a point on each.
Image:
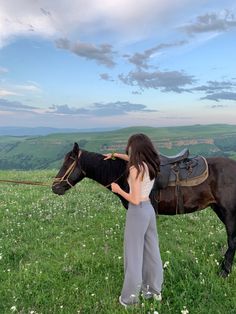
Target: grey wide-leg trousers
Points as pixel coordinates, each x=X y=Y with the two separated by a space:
x=142 y=261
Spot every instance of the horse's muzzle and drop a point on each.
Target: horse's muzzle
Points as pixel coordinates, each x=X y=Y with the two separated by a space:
x=59 y=190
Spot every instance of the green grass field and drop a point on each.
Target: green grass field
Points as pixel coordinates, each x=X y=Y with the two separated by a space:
x=64 y=254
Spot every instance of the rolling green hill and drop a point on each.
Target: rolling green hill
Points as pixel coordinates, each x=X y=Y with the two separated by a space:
x=40 y=152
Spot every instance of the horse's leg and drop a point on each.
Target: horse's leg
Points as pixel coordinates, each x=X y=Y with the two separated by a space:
x=219 y=212
x=230 y=223
x=221 y=215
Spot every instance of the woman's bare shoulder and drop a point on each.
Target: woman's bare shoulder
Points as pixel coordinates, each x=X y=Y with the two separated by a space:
x=133 y=172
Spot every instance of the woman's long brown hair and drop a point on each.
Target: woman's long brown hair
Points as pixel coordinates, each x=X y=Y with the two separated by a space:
x=141 y=149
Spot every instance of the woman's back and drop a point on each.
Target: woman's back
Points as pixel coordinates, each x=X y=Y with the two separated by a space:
x=146 y=183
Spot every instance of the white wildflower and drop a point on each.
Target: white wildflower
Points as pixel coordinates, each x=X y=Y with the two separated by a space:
x=166 y=264
x=184 y=311
x=13 y=308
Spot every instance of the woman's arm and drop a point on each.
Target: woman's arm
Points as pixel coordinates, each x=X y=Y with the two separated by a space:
x=116 y=155
x=135 y=186
x=121 y=156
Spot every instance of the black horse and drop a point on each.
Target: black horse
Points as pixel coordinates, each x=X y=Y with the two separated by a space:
x=218 y=191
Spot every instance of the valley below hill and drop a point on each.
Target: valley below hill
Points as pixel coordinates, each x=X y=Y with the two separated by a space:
x=47 y=152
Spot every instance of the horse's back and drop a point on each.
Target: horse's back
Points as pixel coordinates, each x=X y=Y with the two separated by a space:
x=220 y=165
x=222 y=179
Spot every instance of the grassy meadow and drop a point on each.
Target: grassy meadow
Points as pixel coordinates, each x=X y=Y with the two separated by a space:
x=64 y=254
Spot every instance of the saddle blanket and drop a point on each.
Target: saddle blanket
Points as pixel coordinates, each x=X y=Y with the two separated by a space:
x=187 y=172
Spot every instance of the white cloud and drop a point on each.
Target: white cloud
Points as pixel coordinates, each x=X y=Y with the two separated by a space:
x=95 y=110
x=3 y=70
x=28 y=87
x=11 y=106
x=97 y=114
x=4 y=93
x=102 y=54
x=221 y=95
x=23 y=18
x=101 y=109
x=19 y=89
x=62 y=18
x=141 y=60
x=106 y=77
x=168 y=81
x=211 y=22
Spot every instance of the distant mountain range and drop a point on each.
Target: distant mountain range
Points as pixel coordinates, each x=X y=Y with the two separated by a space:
x=47 y=151
x=26 y=131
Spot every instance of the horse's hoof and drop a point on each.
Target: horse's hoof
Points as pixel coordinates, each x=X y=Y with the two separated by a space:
x=223 y=273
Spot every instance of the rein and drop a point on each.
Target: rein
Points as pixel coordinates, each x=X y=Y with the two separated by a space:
x=58 y=180
x=26 y=182
x=114 y=180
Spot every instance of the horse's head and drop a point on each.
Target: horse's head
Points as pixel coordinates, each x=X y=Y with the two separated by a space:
x=70 y=172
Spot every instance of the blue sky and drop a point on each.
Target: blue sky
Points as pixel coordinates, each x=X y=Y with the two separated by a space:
x=117 y=63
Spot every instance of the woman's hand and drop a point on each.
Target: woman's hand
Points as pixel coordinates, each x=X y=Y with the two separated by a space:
x=134 y=196
x=115 y=187
x=109 y=156
x=115 y=155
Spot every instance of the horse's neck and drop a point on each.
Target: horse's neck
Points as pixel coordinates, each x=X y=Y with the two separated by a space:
x=99 y=170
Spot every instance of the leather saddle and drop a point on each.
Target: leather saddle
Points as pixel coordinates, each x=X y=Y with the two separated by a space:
x=177 y=171
x=165 y=160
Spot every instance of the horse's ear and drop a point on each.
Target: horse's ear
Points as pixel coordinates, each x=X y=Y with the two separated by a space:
x=76 y=148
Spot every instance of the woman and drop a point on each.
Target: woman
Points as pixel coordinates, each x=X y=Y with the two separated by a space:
x=142 y=260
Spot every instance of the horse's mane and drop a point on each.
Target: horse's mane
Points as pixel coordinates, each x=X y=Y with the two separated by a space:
x=105 y=170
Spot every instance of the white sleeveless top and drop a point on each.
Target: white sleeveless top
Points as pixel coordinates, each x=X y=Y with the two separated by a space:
x=146 y=184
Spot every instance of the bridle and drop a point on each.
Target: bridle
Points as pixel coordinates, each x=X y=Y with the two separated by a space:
x=69 y=171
